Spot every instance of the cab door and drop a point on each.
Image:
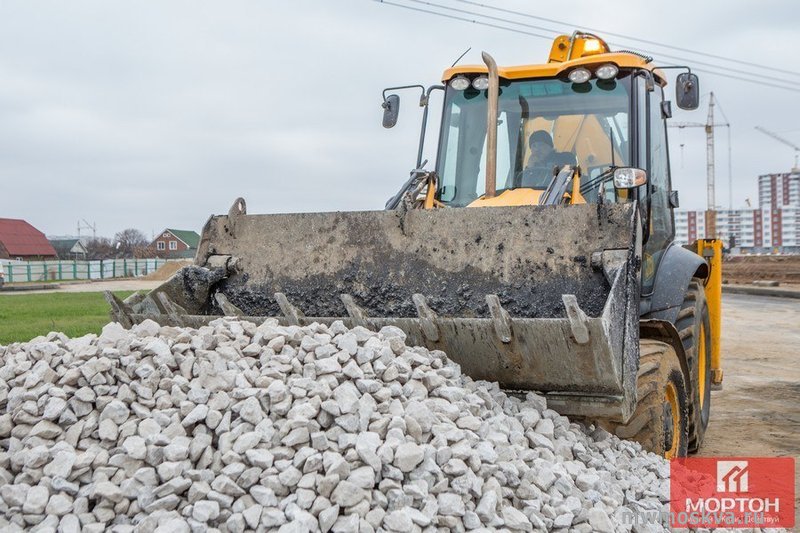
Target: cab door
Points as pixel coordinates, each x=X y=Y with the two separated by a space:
x=656 y=154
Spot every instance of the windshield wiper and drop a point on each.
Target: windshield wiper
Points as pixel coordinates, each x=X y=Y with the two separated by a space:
x=586 y=187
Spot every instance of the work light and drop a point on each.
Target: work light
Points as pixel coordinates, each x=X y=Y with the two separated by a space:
x=579 y=75
x=459 y=83
x=481 y=83
x=607 y=71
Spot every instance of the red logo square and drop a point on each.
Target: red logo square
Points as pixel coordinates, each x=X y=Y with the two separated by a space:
x=732 y=492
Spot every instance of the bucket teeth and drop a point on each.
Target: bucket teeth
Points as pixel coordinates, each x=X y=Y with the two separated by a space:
x=577 y=319
x=427 y=317
x=293 y=315
x=357 y=315
x=173 y=310
x=227 y=307
x=120 y=311
x=500 y=317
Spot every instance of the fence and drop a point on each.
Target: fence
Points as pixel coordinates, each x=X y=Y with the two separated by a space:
x=27 y=271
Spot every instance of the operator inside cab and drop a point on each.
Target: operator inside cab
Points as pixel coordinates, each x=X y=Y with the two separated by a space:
x=541 y=124
x=538 y=172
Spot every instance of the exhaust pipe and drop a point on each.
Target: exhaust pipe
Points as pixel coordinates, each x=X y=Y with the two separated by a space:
x=491 y=126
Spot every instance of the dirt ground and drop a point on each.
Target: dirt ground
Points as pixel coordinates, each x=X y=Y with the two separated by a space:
x=758 y=411
x=745 y=269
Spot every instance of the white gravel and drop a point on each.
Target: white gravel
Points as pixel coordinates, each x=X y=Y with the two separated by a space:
x=240 y=427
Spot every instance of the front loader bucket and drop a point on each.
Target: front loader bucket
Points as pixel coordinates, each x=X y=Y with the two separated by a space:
x=536 y=298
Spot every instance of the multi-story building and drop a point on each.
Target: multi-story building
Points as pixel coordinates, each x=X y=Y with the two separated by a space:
x=776 y=191
x=773 y=228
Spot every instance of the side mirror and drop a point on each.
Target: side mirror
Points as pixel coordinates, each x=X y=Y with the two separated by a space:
x=391 y=109
x=687 y=91
x=629 y=177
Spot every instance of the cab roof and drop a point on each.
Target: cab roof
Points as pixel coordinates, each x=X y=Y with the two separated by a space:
x=562 y=60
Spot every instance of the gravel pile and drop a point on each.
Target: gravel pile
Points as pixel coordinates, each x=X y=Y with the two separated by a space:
x=240 y=427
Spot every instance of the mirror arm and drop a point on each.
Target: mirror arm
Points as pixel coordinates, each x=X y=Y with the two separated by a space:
x=682 y=67
x=423 y=102
x=679 y=67
x=390 y=111
x=400 y=87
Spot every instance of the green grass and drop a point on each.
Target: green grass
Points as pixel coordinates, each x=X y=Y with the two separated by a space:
x=25 y=316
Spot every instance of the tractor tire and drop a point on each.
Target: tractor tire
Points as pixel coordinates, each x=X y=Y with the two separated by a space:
x=660 y=422
x=694 y=328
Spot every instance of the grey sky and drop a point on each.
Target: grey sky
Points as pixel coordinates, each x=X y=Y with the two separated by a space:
x=158 y=114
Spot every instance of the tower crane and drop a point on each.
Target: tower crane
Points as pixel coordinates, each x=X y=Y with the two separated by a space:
x=784 y=141
x=710 y=167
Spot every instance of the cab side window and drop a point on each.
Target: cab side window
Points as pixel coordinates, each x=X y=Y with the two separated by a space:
x=661 y=222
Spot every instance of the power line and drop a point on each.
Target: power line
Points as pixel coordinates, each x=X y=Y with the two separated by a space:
x=759 y=81
x=387 y=2
x=696 y=62
x=759 y=78
x=528 y=15
x=490 y=17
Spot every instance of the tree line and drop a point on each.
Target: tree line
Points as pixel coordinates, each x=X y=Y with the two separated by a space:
x=128 y=243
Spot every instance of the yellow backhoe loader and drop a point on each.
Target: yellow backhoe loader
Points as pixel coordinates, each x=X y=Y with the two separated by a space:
x=566 y=281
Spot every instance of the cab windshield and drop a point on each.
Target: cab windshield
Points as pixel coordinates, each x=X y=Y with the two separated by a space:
x=541 y=124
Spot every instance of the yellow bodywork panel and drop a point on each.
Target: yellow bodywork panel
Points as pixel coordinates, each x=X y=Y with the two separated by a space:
x=552 y=70
x=711 y=251
x=525 y=196
x=430 y=195
x=509 y=198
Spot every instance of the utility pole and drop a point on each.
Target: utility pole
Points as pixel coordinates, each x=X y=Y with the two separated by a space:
x=784 y=141
x=86 y=225
x=711 y=218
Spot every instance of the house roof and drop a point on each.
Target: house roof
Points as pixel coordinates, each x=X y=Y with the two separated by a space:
x=67 y=246
x=20 y=239
x=191 y=238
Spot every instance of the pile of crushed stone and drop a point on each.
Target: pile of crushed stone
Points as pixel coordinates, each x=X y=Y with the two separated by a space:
x=167 y=270
x=237 y=427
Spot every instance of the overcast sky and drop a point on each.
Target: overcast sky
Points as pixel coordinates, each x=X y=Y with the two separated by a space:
x=155 y=114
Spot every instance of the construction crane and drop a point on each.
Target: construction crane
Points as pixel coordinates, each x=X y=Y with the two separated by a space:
x=784 y=141
x=708 y=126
x=710 y=167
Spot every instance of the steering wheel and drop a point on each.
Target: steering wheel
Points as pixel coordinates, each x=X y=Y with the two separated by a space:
x=536 y=177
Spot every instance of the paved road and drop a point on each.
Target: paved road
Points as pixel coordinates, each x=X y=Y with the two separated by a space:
x=758 y=411
x=97 y=286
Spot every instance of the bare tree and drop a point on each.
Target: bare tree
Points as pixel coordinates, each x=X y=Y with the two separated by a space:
x=130 y=243
x=99 y=248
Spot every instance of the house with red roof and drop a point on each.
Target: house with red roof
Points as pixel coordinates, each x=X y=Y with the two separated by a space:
x=20 y=240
